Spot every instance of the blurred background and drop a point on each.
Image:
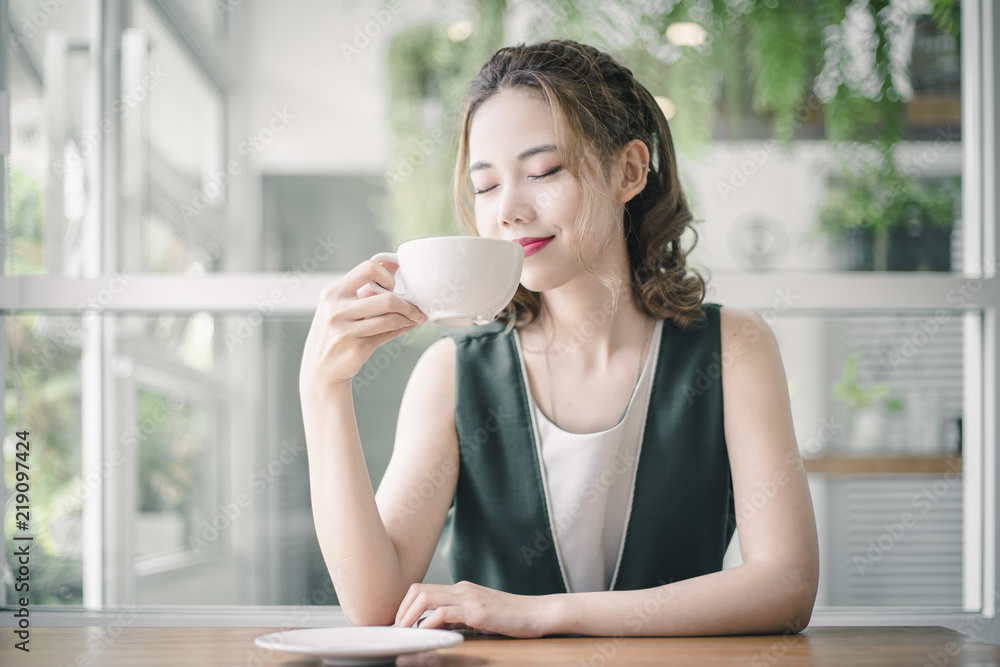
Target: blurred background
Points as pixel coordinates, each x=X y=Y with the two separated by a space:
x=184 y=176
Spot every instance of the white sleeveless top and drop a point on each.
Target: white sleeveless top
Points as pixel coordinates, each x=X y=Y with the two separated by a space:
x=588 y=479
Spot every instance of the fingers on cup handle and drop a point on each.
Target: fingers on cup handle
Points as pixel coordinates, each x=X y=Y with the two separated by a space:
x=365 y=273
x=381 y=271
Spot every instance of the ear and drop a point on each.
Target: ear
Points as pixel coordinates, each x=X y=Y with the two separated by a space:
x=634 y=165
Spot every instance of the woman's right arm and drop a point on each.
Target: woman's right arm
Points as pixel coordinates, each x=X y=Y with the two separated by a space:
x=371 y=564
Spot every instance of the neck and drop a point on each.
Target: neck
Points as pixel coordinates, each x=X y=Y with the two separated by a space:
x=578 y=318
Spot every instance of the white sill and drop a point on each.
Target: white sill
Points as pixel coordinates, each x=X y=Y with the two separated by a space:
x=332 y=616
x=274 y=616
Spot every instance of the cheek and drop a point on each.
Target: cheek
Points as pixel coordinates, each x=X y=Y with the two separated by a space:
x=565 y=205
x=486 y=219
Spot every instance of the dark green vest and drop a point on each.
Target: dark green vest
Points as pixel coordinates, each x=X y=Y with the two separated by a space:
x=498 y=532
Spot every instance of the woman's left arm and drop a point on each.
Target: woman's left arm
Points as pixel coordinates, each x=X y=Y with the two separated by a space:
x=773 y=591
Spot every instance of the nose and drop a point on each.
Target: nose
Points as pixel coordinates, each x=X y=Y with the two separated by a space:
x=514 y=207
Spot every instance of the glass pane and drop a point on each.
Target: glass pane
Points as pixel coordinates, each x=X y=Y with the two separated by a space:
x=28 y=167
x=185 y=113
x=208 y=15
x=187 y=183
x=47 y=375
x=188 y=340
x=179 y=472
x=824 y=138
x=166 y=250
x=322 y=222
x=30 y=19
x=207 y=509
x=223 y=506
x=799 y=213
x=894 y=384
x=47 y=162
x=877 y=403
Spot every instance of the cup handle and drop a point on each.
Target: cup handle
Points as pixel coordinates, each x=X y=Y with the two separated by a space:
x=387 y=257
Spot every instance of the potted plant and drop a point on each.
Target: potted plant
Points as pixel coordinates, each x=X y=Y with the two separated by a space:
x=871 y=406
x=888 y=221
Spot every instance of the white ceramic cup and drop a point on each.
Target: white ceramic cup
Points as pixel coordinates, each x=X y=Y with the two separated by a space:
x=456 y=280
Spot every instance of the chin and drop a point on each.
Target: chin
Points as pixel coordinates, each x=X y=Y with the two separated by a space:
x=540 y=281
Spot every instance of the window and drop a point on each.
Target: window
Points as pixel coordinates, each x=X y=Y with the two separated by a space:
x=161 y=281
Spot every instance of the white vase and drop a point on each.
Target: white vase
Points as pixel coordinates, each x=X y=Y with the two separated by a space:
x=869 y=428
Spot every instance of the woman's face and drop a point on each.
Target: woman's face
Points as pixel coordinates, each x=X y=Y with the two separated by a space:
x=523 y=193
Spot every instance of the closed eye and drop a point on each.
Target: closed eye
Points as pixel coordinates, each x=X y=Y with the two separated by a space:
x=546 y=174
x=536 y=177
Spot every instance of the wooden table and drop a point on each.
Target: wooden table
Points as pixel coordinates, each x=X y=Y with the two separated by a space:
x=232 y=647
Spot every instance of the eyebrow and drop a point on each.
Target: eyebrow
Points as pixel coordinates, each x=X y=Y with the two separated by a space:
x=544 y=148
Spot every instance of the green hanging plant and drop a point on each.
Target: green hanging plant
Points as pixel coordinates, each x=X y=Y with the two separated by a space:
x=781 y=51
x=781 y=59
x=428 y=74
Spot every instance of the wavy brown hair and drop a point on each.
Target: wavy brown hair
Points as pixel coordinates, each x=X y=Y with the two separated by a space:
x=598 y=107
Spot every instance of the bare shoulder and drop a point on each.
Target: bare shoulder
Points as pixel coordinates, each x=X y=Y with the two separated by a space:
x=754 y=385
x=433 y=378
x=439 y=356
x=753 y=375
x=741 y=327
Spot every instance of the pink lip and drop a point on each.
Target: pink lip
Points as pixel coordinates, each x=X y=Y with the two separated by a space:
x=533 y=245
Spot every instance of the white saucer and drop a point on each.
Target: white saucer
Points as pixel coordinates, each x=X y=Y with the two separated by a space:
x=369 y=645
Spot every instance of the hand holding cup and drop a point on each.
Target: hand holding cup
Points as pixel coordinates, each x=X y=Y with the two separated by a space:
x=456 y=280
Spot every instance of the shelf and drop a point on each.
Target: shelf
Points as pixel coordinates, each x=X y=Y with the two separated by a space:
x=901 y=465
x=930 y=110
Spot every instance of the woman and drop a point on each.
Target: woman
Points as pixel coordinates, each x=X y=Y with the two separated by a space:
x=589 y=452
